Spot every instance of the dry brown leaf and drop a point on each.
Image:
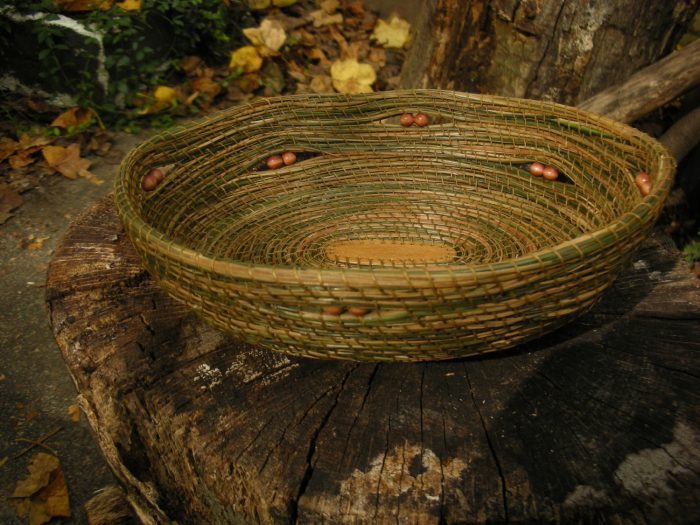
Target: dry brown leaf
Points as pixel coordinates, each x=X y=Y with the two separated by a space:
x=189 y=64
x=349 y=76
x=317 y=54
x=73 y=117
x=43 y=494
x=35 y=244
x=100 y=143
x=9 y=200
x=321 y=84
x=7 y=147
x=307 y=39
x=394 y=33
x=356 y=8
x=249 y=82
x=272 y=78
x=329 y=6
x=21 y=159
x=67 y=161
x=204 y=85
x=74 y=413
x=268 y=38
x=27 y=141
x=377 y=55
x=321 y=18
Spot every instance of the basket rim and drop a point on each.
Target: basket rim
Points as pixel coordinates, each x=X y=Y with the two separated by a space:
x=445 y=273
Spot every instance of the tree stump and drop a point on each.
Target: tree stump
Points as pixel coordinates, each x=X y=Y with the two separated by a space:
x=596 y=423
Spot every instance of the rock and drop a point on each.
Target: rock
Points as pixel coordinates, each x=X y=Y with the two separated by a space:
x=79 y=52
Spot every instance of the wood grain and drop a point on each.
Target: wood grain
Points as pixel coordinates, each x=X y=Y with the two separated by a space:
x=598 y=422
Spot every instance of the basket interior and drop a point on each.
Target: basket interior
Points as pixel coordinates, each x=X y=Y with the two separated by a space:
x=366 y=192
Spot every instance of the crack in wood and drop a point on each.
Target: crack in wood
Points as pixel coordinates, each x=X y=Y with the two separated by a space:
x=381 y=469
x=490 y=445
x=533 y=79
x=362 y=406
x=308 y=472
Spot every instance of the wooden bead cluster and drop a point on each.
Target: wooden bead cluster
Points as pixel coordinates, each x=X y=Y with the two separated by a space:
x=352 y=310
x=420 y=120
x=277 y=161
x=152 y=179
x=538 y=169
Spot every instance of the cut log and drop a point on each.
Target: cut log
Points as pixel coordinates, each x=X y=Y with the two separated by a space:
x=684 y=135
x=649 y=88
x=596 y=423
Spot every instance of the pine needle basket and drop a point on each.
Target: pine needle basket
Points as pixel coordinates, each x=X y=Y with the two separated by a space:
x=391 y=243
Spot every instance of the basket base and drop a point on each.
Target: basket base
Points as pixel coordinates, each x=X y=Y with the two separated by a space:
x=369 y=252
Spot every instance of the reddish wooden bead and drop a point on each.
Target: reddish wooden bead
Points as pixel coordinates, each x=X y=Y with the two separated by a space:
x=406 y=120
x=274 y=162
x=643 y=182
x=421 y=119
x=358 y=311
x=536 y=169
x=289 y=157
x=150 y=182
x=550 y=173
x=333 y=310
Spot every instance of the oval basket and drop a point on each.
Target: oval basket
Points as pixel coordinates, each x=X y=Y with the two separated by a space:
x=385 y=242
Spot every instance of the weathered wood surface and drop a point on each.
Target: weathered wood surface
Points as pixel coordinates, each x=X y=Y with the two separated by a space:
x=597 y=423
x=562 y=50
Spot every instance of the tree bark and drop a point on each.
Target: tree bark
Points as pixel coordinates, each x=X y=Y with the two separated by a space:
x=562 y=50
x=596 y=423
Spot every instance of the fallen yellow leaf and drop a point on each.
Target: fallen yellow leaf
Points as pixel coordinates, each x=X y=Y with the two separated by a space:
x=349 y=76
x=284 y=3
x=83 y=5
x=247 y=58
x=268 y=38
x=164 y=94
x=129 y=5
x=395 y=33
x=162 y=98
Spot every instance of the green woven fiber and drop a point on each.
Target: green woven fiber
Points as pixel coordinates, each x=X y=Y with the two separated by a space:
x=249 y=248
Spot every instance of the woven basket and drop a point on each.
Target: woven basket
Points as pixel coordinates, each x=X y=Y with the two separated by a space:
x=385 y=242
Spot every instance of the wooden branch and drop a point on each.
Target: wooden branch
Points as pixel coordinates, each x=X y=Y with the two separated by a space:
x=684 y=135
x=650 y=88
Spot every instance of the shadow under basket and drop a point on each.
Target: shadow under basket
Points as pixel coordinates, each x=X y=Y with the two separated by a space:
x=389 y=242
